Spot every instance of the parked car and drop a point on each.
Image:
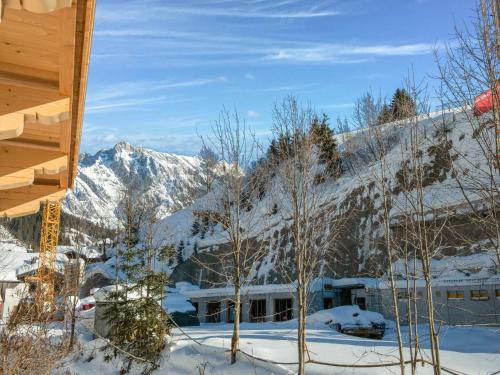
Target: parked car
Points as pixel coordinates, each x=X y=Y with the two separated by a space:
x=351 y=320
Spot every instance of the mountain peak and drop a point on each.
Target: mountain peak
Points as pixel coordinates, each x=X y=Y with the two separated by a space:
x=124 y=146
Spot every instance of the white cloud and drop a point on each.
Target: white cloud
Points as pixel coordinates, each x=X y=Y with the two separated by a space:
x=137 y=88
x=338 y=52
x=150 y=10
x=253 y=114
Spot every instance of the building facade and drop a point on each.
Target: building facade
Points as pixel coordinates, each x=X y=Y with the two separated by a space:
x=468 y=300
x=277 y=302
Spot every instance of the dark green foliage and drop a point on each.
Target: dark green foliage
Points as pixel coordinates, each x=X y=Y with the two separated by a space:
x=323 y=137
x=166 y=253
x=279 y=147
x=180 y=250
x=205 y=222
x=27 y=229
x=385 y=115
x=402 y=105
x=195 y=229
x=138 y=322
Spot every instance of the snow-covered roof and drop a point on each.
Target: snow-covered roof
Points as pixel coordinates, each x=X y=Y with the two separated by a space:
x=18 y=262
x=31 y=266
x=11 y=260
x=175 y=301
x=474 y=269
x=317 y=284
x=86 y=252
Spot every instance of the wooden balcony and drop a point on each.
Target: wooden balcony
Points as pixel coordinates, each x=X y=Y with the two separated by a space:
x=44 y=56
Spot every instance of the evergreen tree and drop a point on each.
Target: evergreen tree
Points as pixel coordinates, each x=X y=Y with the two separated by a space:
x=138 y=322
x=402 y=105
x=180 y=252
x=385 y=115
x=195 y=229
x=323 y=137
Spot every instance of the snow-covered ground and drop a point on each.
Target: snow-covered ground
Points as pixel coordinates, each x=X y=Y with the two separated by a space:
x=469 y=350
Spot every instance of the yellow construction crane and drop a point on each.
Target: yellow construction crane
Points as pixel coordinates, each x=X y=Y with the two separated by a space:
x=45 y=297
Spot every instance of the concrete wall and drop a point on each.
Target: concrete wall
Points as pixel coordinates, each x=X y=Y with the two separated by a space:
x=245 y=305
x=446 y=310
x=315 y=304
x=101 y=324
x=12 y=296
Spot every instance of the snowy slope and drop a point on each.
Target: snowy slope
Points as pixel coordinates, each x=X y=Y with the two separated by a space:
x=8 y=242
x=170 y=179
x=356 y=191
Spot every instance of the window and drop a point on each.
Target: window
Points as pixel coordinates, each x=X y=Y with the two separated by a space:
x=327 y=303
x=497 y=293
x=361 y=302
x=230 y=312
x=282 y=309
x=328 y=286
x=403 y=295
x=438 y=293
x=213 y=312
x=455 y=294
x=195 y=305
x=479 y=295
x=258 y=310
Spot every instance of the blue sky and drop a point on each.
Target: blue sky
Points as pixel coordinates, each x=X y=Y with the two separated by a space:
x=162 y=70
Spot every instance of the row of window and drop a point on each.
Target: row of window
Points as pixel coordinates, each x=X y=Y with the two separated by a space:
x=283 y=310
x=475 y=294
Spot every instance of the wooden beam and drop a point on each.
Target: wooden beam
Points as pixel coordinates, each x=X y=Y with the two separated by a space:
x=34 y=133
x=21 y=105
x=83 y=44
x=11 y=125
x=22 y=76
x=38 y=6
x=26 y=200
x=21 y=98
x=18 y=165
x=29 y=40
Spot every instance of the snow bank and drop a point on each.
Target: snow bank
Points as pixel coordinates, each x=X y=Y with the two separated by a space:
x=346 y=316
x=175 y=301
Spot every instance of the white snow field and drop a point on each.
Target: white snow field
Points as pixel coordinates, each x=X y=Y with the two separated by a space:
x=466 y=350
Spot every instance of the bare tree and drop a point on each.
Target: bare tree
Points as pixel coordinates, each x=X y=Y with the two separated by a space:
x=422 y=237
x=209 y=163
x=303 y=202
x=231 y=205
x=377 y=139
x=468 y=67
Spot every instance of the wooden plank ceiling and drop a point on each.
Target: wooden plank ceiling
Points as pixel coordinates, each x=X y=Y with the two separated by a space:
x=44 y=55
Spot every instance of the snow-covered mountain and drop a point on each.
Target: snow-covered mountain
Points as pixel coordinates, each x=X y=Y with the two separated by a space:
x=171 y=180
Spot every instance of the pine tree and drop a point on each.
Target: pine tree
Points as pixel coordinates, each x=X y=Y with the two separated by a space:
x=180 y=252
x=402 y=105
x=385 y=115
x=138 y=322
x=323 y=137
x=195 y=229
